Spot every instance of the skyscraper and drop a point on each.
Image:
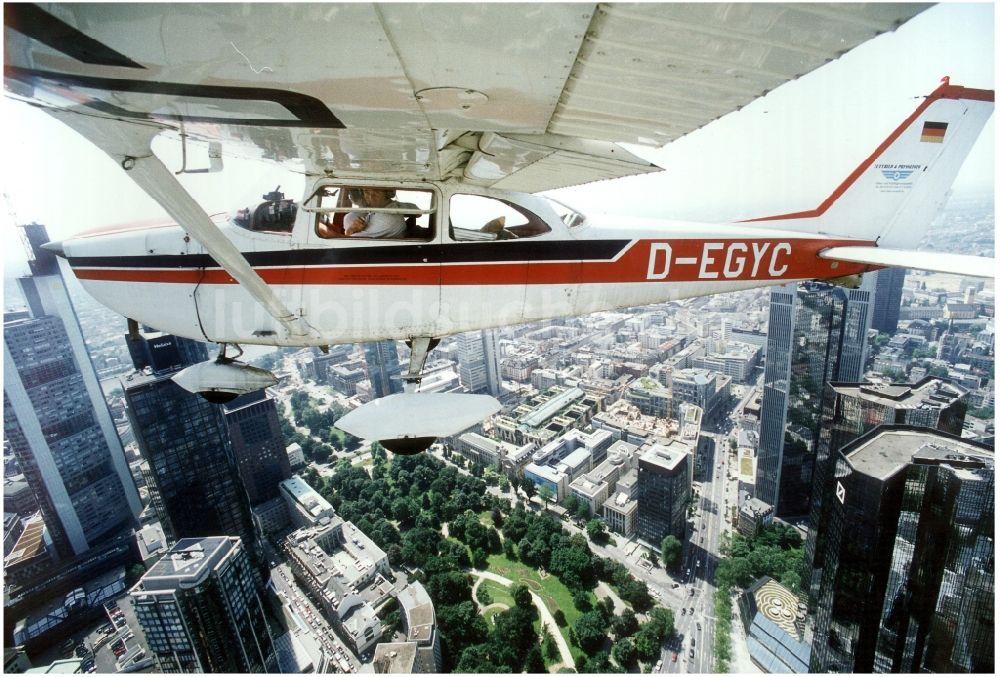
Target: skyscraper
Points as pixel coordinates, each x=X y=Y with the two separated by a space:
x=382 y=364
x=478 y=362
x=888 y=296
x=664 y=487
x=200 y=612
x=56 y=418
x=189 y=467
x=816 y=333
x=851 y=410
x=258 y=445
x=907 y=578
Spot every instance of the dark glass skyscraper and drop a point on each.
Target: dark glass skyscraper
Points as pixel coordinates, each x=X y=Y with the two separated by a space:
x=258 y=445
x=382 y=363
x=192 y=476
x=907 y=577
x=56 y=419
x=888 y=297
x=854 y=409
x=200 y=612
x=816 y=333
x=664 y=487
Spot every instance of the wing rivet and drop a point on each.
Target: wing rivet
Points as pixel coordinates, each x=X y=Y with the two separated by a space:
x=128 y=163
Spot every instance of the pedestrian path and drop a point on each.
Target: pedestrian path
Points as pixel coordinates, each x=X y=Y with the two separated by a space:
x=543 y=612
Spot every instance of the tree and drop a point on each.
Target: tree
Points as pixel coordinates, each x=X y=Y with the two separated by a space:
x=545 y=493
x=559 y=617
x=583 y=511
x=522 y=597
x=571 y=503
x=529 y=488
x=508 y=550
x=625 y=625
x=550 y=647
x=661 y=623
x=670 y=551
x=581 y=601
x=590 y=631
x=624 y=652
x=597 y=531
x=535 y=664
x=646 y=645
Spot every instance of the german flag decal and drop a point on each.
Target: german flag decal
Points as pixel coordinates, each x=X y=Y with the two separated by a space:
x=933 y=132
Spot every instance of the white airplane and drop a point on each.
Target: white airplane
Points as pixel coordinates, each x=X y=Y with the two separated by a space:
x=436 y=126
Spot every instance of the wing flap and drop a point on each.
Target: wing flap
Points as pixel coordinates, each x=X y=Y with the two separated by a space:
x=956 y=264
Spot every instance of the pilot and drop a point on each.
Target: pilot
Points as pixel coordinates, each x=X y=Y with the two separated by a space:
x=377 y=224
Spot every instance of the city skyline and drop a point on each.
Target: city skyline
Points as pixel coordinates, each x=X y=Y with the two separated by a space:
x=789 y=478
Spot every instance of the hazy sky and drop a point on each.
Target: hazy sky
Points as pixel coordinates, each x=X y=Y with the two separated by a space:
x=785 y=152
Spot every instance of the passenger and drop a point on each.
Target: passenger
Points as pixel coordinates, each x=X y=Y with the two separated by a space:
x=377 y=224
x=335 y=227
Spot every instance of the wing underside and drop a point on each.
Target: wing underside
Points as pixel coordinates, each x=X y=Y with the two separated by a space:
x=517 y=96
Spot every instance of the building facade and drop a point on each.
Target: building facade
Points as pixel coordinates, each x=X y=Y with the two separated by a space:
x=56 y=419
x=382 y=365
x=907 y=583
x=479 y=362
x=258 y=445
x=190 y=470
x=816 y=333
x=665 y=473
x=200 y=612
x=887 y=299
x=851 y=410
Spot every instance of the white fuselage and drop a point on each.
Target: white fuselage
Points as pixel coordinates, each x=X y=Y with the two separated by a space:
x=355 y=289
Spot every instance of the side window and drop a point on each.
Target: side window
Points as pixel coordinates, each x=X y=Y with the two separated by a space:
x=475 y=217
x=373 y=212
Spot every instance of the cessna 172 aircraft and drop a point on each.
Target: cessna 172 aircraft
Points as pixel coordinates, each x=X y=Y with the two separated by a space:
x=426 y=133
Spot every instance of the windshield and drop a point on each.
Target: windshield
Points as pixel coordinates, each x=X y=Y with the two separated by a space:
x=567 y=214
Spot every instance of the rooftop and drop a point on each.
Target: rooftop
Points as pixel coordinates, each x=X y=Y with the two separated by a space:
x=887 y=450
x=189 y=562
x=930 y=392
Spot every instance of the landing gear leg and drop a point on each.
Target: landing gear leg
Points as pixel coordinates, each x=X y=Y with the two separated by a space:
x=419 y=346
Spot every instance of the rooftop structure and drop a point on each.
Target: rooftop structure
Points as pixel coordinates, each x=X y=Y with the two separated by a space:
x=772 y=620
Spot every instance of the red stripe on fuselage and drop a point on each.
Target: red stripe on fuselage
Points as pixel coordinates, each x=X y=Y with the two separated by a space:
x=643 y=261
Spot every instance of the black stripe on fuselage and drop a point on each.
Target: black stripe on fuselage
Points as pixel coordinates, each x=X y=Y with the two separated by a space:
x=453 y=253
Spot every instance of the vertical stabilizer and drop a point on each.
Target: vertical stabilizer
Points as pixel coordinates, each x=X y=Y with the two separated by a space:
x=893 y=195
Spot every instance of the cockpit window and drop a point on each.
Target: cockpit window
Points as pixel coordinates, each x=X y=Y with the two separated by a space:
x=476 y=217
x=373 y=212
x=567 y=214
x=276 y=214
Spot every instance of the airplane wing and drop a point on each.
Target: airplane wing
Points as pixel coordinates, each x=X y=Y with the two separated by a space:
x=517 y=96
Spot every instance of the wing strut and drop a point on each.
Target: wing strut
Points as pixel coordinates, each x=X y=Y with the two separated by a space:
x=130 y=146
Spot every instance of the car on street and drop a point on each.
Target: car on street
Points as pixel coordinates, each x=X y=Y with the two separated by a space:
x=691 y=653
x=674 y=659
x=699 y=625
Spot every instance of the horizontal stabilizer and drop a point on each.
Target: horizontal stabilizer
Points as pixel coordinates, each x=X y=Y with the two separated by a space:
x=956 y=264
x=417 y=415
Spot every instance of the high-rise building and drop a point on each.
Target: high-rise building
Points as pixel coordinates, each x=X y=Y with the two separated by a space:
x=664 y=487
x=851 y=410
x=258 y=445
x=382 y=364
x=189 y=467
x=907 y=577
x=200 y=611
x=56 y=419
x=888 y=296
x=816 y=333
x=478 y=362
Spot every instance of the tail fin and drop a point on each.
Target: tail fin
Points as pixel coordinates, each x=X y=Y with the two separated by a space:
x=892 y=197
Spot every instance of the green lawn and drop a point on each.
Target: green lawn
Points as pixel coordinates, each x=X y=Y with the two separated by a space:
x=499 y=592
x=501 y=595
x=551 y=590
